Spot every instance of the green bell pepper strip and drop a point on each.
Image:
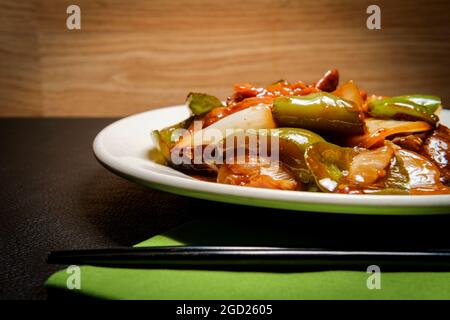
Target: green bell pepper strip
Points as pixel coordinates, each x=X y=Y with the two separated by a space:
x=292 y=145
x=411 y=172
x=201 y=103
x=300 y=138
x=397 y=176
x=164 y=139
x=321 y=112
x=327 y=161
x=409 y=107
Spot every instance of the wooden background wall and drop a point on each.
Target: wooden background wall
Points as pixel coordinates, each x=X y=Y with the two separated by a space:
x=134 y=55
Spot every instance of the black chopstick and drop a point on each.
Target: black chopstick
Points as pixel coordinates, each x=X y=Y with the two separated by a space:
x=204 y=256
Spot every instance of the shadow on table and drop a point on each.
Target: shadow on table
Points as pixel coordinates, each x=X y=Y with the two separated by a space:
x=126 y=213
x=225 y=224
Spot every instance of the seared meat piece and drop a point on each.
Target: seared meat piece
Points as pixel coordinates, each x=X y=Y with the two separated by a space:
x=411 y=142
x=437 y=148
x=329 y=81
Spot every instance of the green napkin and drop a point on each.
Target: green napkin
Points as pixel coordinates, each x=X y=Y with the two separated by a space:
x=121 y=283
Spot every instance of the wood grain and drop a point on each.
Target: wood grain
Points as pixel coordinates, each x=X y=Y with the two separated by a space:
x=135 y=55
x=20 y=82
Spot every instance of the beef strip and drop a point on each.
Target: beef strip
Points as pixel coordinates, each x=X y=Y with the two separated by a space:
x=437 y=148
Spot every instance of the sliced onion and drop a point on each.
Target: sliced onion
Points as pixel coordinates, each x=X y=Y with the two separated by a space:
x=368 y=166
x=380 y=129
x=350 y=91
x=260 y=173
x=256 y=117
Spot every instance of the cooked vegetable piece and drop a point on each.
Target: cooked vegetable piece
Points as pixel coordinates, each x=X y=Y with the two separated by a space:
x=201 y=103
x=298 y=138
x=219 y=113
x=368 y=166
x=389 y=167
x=430 y=103
x=292 y=145
x=321 y=112
x=347 y=170
x=350 y=92
x=165 y=139
x=327 y=163
x=409 y=107
x=380 y=129
x=420 y=175
x=255 y=117
x=260 y=173
x=397 y=176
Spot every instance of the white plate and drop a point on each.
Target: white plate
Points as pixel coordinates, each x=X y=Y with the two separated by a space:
x=124 y=146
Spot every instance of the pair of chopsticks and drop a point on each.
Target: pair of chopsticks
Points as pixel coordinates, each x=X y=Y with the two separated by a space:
x=205 y=256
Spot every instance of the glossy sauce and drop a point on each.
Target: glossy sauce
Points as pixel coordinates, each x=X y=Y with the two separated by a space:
x=245 y=95
x=368 y=172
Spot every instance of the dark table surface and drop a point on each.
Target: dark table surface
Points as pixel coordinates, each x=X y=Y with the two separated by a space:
x=54 y=195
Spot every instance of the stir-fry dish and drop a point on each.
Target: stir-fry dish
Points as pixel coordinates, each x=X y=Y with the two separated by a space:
x=329 y=138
